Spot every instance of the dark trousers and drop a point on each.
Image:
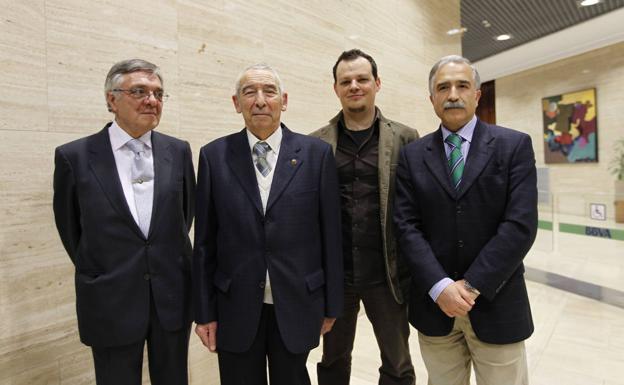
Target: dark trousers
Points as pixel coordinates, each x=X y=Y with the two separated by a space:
x=249 y=368
x=391 y=328
x=167 y=354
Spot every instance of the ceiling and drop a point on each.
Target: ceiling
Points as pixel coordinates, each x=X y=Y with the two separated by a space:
x=524 y=20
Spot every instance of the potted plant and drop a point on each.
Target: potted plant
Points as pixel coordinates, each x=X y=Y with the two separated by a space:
x=617 y=169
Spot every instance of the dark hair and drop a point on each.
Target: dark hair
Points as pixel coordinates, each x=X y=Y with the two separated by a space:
x=353 y=54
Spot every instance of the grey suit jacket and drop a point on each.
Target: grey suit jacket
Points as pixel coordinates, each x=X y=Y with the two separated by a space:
x=392 y=137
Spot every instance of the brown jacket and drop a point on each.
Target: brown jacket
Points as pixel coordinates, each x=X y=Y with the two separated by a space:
x=392 y=136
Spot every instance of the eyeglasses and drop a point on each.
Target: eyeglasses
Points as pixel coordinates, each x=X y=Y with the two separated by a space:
x=142 y=93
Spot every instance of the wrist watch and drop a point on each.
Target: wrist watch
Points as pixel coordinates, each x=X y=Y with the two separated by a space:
x=471 y=288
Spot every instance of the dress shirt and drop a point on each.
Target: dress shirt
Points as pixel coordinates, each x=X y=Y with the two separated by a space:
x=124 y=158
x=264 y=182
x=357 y=155
x=466 y=133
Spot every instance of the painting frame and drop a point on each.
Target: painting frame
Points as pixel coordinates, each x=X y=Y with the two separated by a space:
x=570 y=127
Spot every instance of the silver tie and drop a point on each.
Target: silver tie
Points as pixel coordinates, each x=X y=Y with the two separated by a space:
x=142 y=172
x=261 y=149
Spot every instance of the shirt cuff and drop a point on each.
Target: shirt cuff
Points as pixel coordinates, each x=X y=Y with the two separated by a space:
x=439 y=287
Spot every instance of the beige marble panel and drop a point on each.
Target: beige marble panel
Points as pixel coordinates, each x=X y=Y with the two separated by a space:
x=24 y=97
x=84 y=41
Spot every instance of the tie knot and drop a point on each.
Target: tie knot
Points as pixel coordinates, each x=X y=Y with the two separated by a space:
x=261 y=148
x=136 y=146
x=454 y=140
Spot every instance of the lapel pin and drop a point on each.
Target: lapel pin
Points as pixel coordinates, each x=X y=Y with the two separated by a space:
x=293 y=162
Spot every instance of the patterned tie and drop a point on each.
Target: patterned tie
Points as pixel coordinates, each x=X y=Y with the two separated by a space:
x=142 y=172
x=261 y=149
x=455 y=159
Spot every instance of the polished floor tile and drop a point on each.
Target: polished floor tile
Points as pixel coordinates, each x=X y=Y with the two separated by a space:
x=577 y=340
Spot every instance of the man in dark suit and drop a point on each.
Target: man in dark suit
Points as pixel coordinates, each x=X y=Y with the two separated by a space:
x=267 y=265
x=123 y=205
x=367 y=146
x=466 y=215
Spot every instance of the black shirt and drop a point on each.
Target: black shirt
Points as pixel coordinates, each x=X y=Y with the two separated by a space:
x=357 y=155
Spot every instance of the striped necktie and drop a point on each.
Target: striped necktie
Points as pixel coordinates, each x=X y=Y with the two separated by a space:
x=261 y=149
x=455 y=159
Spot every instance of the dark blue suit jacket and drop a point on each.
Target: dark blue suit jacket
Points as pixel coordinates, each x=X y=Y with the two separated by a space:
x=117 y=267
x=481 y=232
x=298 y=240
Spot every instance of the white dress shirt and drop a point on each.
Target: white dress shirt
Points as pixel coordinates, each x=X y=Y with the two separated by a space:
x=124 y=158
x=264 y=182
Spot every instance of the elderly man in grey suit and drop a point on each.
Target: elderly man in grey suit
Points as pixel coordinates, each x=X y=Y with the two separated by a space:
x=367 y=145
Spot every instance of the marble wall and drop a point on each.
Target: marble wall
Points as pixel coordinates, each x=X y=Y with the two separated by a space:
x=518 y=105
x=54 y=56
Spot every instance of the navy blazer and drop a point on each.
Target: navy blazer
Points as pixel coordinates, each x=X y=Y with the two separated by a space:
x=481 y=232
x=297 y=240
x=116 y=265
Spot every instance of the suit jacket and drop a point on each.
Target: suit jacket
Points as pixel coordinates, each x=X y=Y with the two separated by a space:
x=392 y=137
x=481 y=232
x=298 y=240
x=117 y=267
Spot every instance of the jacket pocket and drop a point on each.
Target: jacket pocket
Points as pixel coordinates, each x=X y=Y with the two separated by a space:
x=222 y=281
x=315 y=280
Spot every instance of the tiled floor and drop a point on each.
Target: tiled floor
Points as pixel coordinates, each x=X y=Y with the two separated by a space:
x=577 y=340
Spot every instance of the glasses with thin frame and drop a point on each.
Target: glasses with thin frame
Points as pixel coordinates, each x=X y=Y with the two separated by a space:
x=142 y=93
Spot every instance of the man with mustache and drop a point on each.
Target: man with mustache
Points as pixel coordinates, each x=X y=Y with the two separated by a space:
x=466 y=215
x=367 y=146
x=123 y=204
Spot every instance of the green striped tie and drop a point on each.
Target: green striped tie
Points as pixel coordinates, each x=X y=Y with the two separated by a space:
x=455 y=159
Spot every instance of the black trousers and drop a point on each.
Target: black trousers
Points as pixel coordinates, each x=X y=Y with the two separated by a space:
x=250 y=367
x=167 y=354
x=391 y=328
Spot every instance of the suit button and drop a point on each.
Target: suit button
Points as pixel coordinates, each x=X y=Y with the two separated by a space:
x=262 y=284
x=147 y=243
x=460 y=243
x=146 y=276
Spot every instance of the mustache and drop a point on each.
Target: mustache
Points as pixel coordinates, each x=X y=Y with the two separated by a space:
x=457 y=104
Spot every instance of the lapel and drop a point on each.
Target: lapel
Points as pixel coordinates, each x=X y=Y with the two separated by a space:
x=385 y=147
x=436 y=161
x=240 y=162
x=481 y=150
x=162 y=174
x=102 y=164
x=329 y=133
x=288 y=163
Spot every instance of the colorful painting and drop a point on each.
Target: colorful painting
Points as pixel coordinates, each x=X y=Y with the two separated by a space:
x=570 y=132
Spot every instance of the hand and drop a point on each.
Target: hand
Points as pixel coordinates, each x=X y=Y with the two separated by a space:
x=471 y=294
x=455 y=300
x=208 y=335
x=328 y=323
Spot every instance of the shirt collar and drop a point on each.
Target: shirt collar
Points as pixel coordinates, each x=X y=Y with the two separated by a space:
x=275 y=140
x=119 y=137
x=465 y=132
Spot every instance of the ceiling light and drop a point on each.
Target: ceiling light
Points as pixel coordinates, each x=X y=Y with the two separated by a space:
x=503 y=37
x=456 y=31
x=587 y=3
x=486 y=24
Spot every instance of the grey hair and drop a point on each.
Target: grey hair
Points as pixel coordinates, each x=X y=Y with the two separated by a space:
x=457 y=60
x=119 y=69
x=259 y=67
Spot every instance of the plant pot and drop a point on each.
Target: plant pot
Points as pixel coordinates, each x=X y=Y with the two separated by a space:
x=619 y=201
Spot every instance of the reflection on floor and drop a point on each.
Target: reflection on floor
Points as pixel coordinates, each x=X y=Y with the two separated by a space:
x=577 y=340
x=579 y=331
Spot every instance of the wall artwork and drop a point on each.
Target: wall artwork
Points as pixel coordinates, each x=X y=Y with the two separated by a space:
x=570 y=131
